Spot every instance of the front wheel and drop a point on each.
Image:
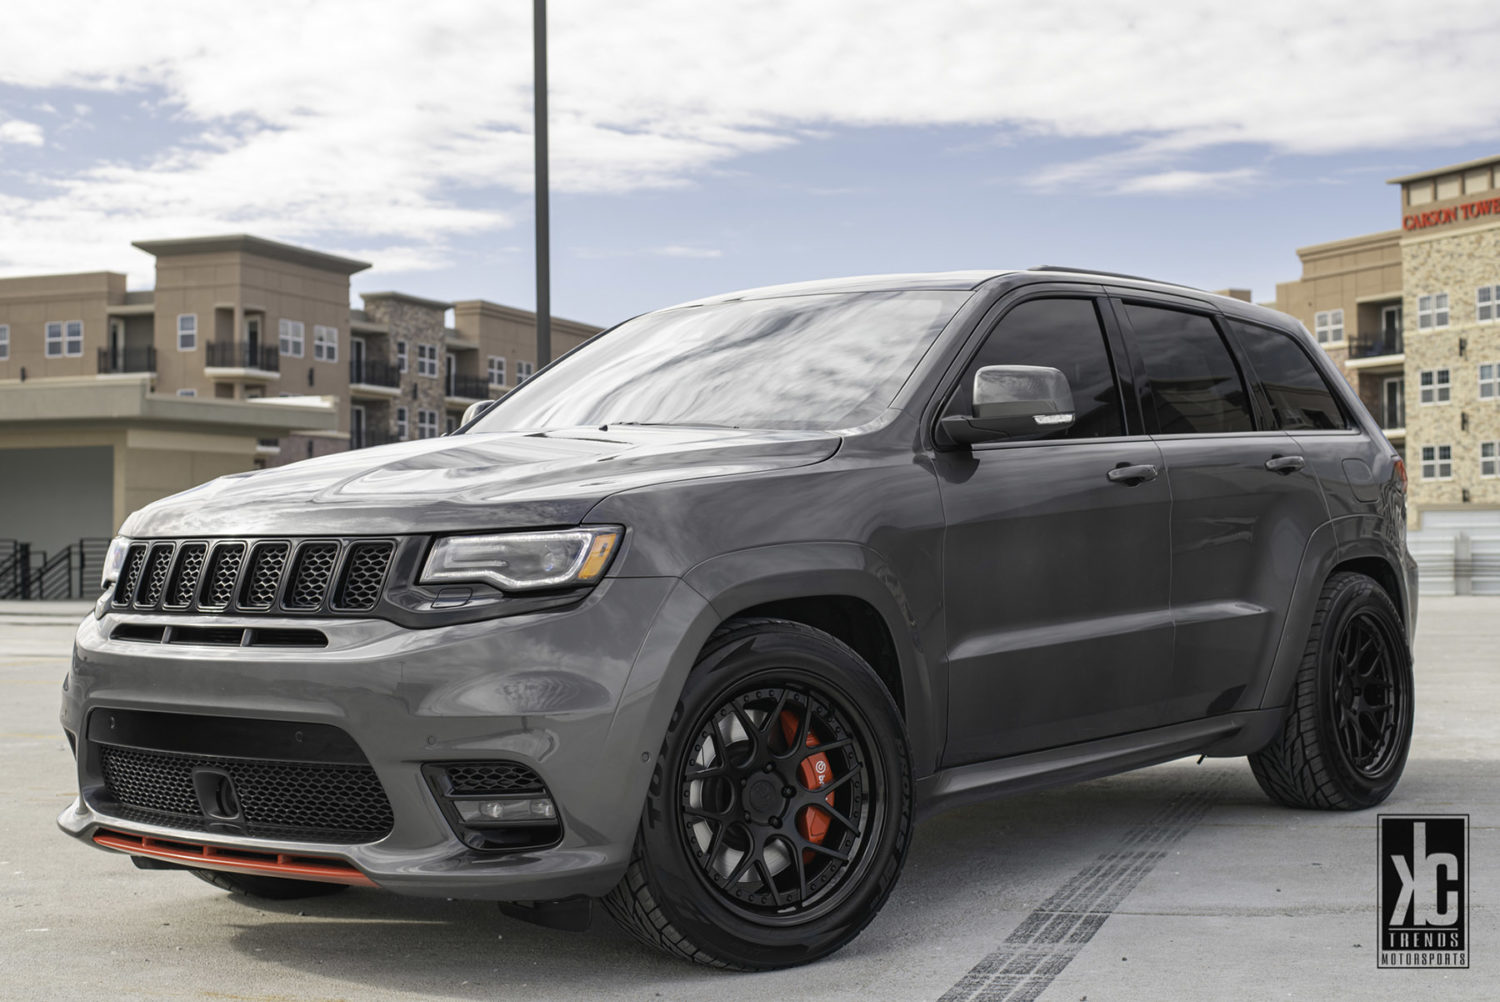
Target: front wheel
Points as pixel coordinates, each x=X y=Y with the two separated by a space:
x=1347 y=731
x=780 y=809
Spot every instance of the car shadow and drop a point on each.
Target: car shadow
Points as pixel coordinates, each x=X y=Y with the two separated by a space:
x=1006 y=854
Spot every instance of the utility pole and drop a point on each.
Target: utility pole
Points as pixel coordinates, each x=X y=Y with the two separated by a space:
x=543 y=215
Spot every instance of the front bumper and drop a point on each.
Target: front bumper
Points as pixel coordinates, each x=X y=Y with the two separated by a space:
x=581 y=696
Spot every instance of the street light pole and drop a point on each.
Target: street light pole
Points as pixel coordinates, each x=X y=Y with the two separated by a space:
x=543 y=220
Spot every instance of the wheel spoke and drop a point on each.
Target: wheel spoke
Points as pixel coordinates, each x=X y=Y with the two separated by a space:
x=752 y=733
x=801 y=866
x=701 y=812
x=773 y=719
x=824 y=850
x=836 y=815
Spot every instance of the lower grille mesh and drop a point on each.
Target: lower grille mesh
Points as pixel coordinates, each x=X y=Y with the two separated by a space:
x=312 y=801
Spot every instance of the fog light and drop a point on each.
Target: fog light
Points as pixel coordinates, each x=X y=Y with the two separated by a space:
x=509 y=809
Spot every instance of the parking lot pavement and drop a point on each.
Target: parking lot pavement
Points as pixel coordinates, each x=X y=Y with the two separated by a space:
x=1193 y=887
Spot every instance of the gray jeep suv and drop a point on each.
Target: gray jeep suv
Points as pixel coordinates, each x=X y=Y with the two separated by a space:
x=703 y=617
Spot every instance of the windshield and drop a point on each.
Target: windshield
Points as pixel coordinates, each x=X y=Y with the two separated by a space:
x=800 y=362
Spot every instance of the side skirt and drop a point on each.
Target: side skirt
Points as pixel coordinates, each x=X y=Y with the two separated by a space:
x=1229 y=735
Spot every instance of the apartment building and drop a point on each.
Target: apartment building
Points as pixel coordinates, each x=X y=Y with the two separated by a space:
x=246 y=353
x=1412 y=316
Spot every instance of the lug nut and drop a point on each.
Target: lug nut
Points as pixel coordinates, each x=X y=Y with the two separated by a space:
x=787 y=791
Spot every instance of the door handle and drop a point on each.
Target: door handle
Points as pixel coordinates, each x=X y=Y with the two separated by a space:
x=1285 y=464
x=1132 y=475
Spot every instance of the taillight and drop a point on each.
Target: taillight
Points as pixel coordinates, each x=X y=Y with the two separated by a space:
x=1400 y=471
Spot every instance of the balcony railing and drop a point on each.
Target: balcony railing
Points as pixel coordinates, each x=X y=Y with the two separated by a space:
x=127 y=359
x=370 y=372
x=370 y=437
x=1376 y=343
x=468 y=387
x=243 y=355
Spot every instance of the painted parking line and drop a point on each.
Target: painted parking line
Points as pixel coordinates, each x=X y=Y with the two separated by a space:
x=1048 y=939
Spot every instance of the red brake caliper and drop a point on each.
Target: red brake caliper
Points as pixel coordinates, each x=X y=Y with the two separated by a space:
x=812 y=824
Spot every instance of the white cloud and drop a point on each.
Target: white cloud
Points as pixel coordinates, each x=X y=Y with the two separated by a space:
x=372 y=123
x=21 y=133
x=1176 y=182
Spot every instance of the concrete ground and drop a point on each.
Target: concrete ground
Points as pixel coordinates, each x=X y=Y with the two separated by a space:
x=1203 y=888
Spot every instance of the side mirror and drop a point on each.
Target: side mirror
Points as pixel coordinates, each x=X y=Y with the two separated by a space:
x=1011 y=400
x=475 y=410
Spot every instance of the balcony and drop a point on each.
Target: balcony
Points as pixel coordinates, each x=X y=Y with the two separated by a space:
x=370 y=437
x=458 y=388
x=242 y=360
x=127 y=360
x=1377 y=349
x=371 y=378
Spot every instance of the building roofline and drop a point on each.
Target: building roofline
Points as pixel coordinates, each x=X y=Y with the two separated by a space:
x=247 y=244
x=1350 y=243
x=406 y=297
x=1450 y=169
x=486 y=308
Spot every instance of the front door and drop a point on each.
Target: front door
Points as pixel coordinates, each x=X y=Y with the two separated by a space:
x=1056 y=588
x=356 y=360
x=1393 y=396
x=1245 y=502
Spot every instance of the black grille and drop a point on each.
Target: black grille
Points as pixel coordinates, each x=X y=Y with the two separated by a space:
x=218 y=584
x=492 y=778
x=154 y=576
x=311 y=574
x=185 y=575
x=313 y=801
x=130 y=574
x=364 y=575
x=267 y=561
x=264 y=576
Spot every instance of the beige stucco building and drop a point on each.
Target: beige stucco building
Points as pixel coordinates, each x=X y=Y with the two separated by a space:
x=245 y=354
x=1412 y=315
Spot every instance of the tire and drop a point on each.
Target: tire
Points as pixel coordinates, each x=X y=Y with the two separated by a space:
x=737 y=862
x=252 y=885
x=1347 y=732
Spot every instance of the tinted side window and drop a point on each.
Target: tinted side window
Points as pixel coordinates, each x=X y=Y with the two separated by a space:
x=1195 y=386
x=1064 y=334
x=1292 y=388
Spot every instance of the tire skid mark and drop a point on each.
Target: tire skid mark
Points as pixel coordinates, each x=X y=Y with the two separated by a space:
x=1047 y=940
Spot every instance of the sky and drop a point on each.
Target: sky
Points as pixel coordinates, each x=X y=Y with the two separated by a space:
x=703 y=147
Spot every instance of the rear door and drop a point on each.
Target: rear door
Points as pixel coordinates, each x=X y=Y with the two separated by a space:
x=1055 y=575
x=1245 y=502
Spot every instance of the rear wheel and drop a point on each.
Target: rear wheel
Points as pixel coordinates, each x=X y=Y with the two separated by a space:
x=1347 y=731
x=780 y=810
x=268 y=888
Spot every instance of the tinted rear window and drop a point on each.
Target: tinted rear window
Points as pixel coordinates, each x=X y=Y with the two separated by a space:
x=1292 y=389
x=1195 y=385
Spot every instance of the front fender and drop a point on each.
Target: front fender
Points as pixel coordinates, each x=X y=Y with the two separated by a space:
x=736 y=581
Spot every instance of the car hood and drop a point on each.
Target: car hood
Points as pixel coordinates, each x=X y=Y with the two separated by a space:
x=509 y=480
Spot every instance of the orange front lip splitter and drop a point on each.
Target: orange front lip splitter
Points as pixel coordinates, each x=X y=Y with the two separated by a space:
x=213 y=857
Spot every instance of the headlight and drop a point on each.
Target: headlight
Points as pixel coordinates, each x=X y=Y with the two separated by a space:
x=114 y=560
x=524 y=561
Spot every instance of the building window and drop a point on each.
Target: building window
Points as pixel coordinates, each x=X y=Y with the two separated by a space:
x=451 y=425
x=400 y=356
x=497 y=371
x=187 y=331
x=427 y=360
x=187 y=393
x=325 y=343
x=1434 y=386
x=1489 y=459
x=291 y=338
x=1489 y=381
x=523 y=372
x=401 y=424
x=1329 y=326
x=4 y=342
x=1487 y=303
x=426 y=424
x=1432 y=311
x=65 y=339
x=1437 y=462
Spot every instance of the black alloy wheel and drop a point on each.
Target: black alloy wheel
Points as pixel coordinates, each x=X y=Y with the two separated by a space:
x=781 y=807
x=1347 y=732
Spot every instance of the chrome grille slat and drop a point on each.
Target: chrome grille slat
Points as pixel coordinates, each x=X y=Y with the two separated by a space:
x=263 y=575
x=185 y=575
x=364 y=575
x=224 y=570
x=311 y=573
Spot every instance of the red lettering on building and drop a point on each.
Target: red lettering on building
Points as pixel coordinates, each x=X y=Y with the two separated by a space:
x=1441 y=217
